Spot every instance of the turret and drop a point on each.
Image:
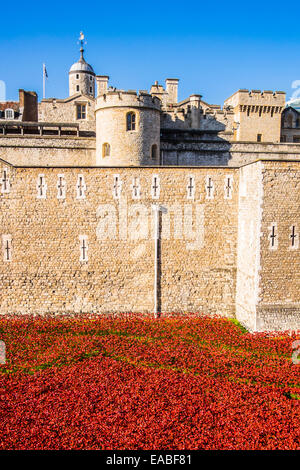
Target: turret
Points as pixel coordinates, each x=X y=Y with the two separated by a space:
x=127 y=128
x=82 y=76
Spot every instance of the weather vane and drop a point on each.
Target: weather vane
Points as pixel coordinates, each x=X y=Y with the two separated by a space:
x=81 y=39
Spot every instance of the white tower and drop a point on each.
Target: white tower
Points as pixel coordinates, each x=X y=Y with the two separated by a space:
x=82 y=75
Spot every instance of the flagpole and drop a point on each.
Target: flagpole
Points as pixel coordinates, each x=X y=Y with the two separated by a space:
x=44 y=82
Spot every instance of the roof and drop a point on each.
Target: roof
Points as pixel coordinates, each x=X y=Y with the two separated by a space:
x=82 y=65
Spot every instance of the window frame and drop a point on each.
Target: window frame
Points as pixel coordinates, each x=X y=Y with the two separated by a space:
x=132 y=123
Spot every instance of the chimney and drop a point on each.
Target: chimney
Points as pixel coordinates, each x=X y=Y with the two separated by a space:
x=102 y=82
x=172 y=90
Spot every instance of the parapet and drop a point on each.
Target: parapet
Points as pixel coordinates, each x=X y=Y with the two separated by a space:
x=129 y=99
x=256 y=97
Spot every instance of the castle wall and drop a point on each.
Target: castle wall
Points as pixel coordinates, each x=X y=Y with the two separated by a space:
x=279 y=297
x=257 y=113
x=47 y=150
x=127 y=147
x=52 y=110
x=198 y=255
x=248 y=252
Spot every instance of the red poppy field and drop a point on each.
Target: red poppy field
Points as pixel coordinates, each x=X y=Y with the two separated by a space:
x=139 y=383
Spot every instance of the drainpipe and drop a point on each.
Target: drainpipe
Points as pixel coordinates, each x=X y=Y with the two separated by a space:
x=156 y=209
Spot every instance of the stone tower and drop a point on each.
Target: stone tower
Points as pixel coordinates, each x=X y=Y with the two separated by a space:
x=127 y=128
x=82 y=77
x=257 y=114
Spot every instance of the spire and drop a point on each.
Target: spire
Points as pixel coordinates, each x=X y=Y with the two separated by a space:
x=82 y=42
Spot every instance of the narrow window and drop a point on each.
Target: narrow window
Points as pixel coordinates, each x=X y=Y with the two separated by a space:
x=260 y=110
x=77 y=87
x=294 y=237
x=61 y=187
x=80 y=187
x=191 y=187
x=248 y=111
x=91 y=89
x=5 y=184
x=259 y=137
x=130 y=121
x=9 y=114
x=105 y=150
x=41 y=187
x=7 y=247
x=136 y=188
x=81 y=111
x=91 y=78
x=83 y=241
x=228 y=187
x=77 y=76
x=209 y=188
x=155 y=187
x=272 y=111
x=117 y=188
x=154 y=152
x=273 y=237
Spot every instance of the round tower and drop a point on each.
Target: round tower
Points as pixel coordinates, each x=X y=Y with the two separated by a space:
x=127 y=129
x=82 y=77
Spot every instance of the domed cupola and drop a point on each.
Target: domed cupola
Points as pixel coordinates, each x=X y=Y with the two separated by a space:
x=82 y=75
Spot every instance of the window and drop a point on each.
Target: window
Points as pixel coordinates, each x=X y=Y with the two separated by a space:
x=91 y=78
x=130 y=121
x=105 y=150
x=77 y=87
x=191 y=187
x=296 y=139
x=155 y=187
x=136 y=188
x=297 y=122
x=41 y=187
x=273 y=237
x=209 y=188
x=80 y=187
x=9 y=114
x=154 y=152
x=81 y=111
x=228 y=187
x=91 y=89
x=259 y=137
x=117 y=189
x=283 y=138
x=294 y=237
x=77 y=76
x=61 y=187
x=6 y=247
x=83 y=241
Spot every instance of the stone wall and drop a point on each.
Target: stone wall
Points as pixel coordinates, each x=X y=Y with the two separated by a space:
x=248 y=256
x=279 y=302
x=56 y=110
x=47 y=150
x=197 y=260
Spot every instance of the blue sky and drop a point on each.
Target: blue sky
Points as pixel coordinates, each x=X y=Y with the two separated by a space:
x=214 y=48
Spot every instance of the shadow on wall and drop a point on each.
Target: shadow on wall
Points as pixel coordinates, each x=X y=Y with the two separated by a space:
x=201 y=145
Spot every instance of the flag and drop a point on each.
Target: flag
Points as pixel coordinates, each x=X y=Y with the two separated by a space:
x=45 y=71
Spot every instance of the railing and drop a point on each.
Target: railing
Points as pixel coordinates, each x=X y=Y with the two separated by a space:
x=38 y=128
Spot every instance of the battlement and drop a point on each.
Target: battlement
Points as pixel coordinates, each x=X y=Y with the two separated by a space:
x=256 y=97
x=128 y=99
